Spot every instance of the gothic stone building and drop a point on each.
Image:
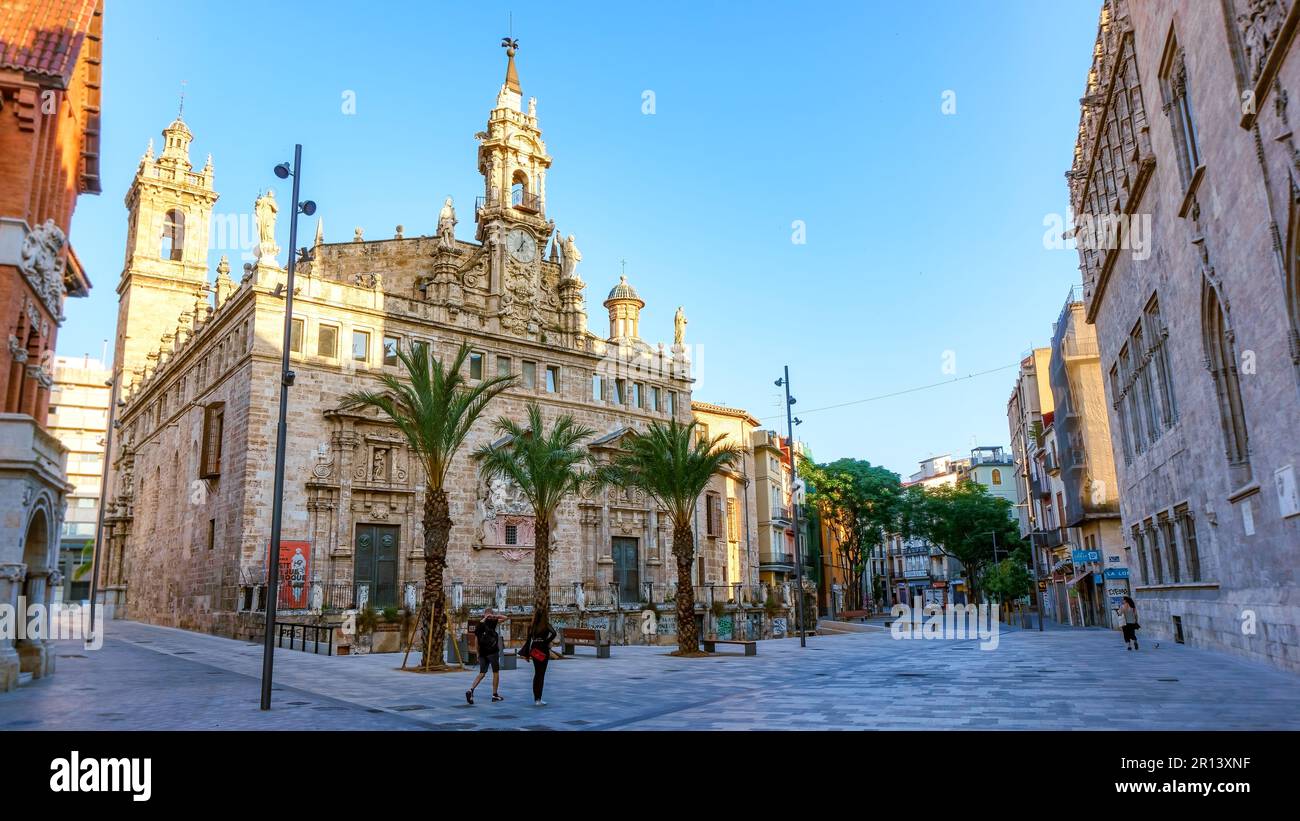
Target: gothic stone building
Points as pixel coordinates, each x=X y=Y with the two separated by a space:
x=1186 y=182
x=188 y=514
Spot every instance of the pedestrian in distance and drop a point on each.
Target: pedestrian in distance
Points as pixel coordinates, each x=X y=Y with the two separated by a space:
x=1128 y=611
x=489 y=654
x=537 y=649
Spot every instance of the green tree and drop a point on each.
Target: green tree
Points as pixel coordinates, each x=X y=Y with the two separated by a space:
x=433 y=406
x=1008 y=579
x=859 y=502
x=86 y=562
x=545 y=465
x=672 y=464
x=963 y=521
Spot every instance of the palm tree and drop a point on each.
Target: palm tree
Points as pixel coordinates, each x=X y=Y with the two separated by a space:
x=672 y=465
x=433 y=406
x=544 y=464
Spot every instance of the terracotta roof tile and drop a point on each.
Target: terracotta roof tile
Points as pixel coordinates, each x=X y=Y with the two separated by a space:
x=44 y=36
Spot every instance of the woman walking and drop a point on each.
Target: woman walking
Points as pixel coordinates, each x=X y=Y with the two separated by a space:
x=1129 y=612
x=538 y=650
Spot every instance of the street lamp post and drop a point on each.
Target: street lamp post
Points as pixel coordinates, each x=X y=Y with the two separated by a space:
x=286 y=380
x=103 y=497
x=794 y=505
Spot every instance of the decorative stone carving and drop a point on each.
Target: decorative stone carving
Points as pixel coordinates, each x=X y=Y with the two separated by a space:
x=570 y=256
x=16 y=350
x=447 y=226
x=679 y=326
x=501 y=504
x=265 y=210
x=1260 y=24
x=41 y=261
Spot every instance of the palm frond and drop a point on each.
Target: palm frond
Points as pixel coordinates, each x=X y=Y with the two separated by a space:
x=543 y=463
x=434 y=407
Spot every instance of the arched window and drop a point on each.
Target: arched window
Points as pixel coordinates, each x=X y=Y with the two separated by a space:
x=519 y=194
x=1221 y=359
x=173 y=235
x=997 y=476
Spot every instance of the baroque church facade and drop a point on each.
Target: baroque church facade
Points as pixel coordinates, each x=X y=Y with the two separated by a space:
x=187 y=523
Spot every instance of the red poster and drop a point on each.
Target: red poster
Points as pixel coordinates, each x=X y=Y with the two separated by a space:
x=295 y=563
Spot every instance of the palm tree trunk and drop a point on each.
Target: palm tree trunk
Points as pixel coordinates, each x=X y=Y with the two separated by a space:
x=684 y=551
x=542 y=567
x=437 y=533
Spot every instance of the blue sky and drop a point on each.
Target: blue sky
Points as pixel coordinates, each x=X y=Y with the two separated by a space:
x=924 y=230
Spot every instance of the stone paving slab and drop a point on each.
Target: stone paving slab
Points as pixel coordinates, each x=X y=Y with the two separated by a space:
x=148 y=677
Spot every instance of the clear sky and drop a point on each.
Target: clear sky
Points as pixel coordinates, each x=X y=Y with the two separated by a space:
x=924 y=229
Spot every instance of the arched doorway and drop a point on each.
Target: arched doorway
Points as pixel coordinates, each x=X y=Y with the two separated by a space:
x=33 y=653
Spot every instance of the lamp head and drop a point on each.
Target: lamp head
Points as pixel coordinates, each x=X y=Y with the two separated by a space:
x=307 y=207
x=282 y=171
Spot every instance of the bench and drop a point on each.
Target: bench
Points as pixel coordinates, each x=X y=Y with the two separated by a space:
x=850 y=615
x=751 y=647
x=571 y=637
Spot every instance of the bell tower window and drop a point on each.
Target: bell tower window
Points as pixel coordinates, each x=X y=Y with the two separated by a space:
x=173 y=236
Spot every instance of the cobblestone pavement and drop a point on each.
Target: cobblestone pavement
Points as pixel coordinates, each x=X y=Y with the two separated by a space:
x=148 y=677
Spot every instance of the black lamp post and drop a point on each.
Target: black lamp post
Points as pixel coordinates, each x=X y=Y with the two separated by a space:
x=286 y=380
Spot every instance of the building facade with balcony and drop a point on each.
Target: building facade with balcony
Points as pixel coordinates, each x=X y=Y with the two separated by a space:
x=79 y=421
x=50 y=80
x=726 y=515
x=1090 y=503
x=773 y=494
x=1185 y=127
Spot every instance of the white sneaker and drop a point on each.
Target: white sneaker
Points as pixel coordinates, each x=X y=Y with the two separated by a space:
x=539 y=703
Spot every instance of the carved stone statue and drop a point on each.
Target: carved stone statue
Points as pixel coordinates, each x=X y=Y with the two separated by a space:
x=1260 y=26
x=447 y=225
x=570 y=257
x=679 y=327
x=41 y=261
x=265 y=210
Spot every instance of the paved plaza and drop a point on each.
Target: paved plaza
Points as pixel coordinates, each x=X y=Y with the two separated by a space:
x=148 y=677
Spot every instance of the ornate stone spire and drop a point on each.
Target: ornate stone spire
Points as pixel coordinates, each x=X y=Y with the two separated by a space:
x=225 y=285
x=320 y=231
x=512 y=76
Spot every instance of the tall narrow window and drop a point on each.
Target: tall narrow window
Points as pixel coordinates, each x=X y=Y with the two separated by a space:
x=1221 y=358
x=996 y=476
x=1187 y=525
x=1170 y=546
x=503 y=366
x=173 y=235
x=672 y=403
x=530 y=375
x=1178 y=105
x=1157 y=334
x=620 y=391
x=597 y=387
x=1122 y=423
x=214 y=418
x=655 y=401
x=295 y=336
x=475 y=365
x=391 y=344
x=212 y=533
x=1157 y=565
x=552 y=379
x=637 y=395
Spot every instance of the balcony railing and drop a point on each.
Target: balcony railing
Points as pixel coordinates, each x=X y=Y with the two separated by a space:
x=785 y=559
x=781 y=513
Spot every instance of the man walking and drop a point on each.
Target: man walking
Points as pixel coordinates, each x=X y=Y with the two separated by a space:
x=489 y=653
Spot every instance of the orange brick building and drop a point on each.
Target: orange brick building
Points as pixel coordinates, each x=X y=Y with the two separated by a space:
x=50 y=52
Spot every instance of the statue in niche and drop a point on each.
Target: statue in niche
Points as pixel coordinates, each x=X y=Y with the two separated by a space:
x=379 y=465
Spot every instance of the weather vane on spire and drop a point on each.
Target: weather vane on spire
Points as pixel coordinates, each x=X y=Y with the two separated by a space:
x=181 y=109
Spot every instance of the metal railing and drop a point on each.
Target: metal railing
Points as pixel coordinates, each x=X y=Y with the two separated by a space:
x=776 y=558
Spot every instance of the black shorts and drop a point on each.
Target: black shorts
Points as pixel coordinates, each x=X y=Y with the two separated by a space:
x=493 y=659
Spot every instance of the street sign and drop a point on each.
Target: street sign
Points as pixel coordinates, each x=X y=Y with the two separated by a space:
x=1117 y=572
x=1085 y=556
x=1096 y=578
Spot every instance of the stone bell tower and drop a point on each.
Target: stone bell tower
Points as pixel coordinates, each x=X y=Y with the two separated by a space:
x=512 y=158
x=165 y=272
